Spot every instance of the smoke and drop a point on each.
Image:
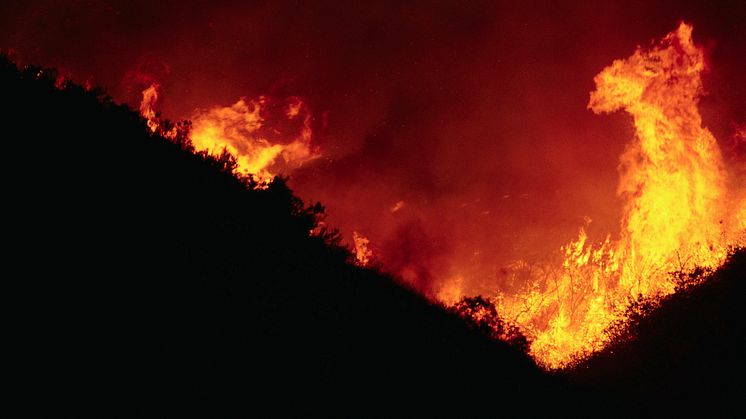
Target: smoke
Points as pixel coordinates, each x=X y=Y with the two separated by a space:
x=472 y=115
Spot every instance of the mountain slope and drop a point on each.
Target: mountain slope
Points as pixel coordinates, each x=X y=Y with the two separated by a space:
x=150 y=276
x=684 y=358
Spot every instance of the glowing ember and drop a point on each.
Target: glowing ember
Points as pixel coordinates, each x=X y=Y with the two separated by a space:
x=677 y=214
x=399 y=205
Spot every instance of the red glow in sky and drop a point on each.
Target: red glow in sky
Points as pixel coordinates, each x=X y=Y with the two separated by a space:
x=472 y=115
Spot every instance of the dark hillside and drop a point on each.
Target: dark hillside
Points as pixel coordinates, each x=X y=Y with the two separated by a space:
x=151 y=278
x=685 y=358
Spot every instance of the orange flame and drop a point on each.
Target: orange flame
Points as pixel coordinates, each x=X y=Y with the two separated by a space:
x=363 y=254
x=677 y=214
x=147 y=106
x=673 y=174
x=237 y=130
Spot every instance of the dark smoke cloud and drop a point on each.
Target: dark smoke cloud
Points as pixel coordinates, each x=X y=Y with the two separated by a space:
x=471 y=113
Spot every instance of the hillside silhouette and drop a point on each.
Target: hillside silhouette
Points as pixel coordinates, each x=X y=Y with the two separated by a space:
x=682 y=357
x=152 y=281
x=154 y=277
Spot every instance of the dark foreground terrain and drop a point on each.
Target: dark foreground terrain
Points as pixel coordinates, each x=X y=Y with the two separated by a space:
x=147 y=280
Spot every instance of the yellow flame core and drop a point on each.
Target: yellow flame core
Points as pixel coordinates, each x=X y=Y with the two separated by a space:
x=673 y=173
x=235 y=129
x=677 y=214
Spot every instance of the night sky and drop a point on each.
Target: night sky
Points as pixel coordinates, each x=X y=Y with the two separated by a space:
x=471 y=113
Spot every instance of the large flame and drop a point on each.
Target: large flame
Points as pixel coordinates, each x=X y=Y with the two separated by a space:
x=673 y=173
x=678 y=213
x=236 y=128
x=240 y=130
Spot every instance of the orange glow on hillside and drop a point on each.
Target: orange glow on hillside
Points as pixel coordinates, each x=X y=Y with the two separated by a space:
x=683 y=208
x=238 y=129
x=678 y=213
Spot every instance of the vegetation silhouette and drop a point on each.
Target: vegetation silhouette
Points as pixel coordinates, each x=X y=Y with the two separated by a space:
x=153 y=281
x=158 y=278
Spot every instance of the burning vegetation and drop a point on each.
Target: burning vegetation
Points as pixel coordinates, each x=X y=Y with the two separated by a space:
x=240 y=130
x=683 y=211
x=242 y=305
x=679 y=216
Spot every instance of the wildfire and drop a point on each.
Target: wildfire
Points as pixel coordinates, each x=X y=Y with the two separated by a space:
x=673 y=174
x=240 y=130
x=147 y=106
x=237 y=129
x=682 y=207
x=677 y=214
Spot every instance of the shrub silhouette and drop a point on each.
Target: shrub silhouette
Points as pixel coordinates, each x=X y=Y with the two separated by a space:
x=682 y=356
x=482 y=315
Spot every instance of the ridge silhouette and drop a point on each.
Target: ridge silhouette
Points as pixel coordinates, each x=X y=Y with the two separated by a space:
x=159 y=278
